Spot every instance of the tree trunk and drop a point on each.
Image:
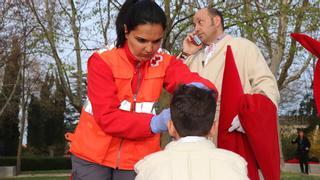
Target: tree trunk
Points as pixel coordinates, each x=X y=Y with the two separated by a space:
x=23 y=109
x=76 y=32
x=277 y=55
x=50 y=36
x=284 y=71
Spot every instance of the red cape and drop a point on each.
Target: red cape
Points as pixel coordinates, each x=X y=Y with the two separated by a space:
x=259 y=145
x=312 y=46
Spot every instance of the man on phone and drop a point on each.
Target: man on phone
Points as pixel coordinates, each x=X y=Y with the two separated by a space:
x=258 y=83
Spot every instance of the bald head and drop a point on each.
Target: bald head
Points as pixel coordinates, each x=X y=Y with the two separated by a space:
x=215 y=12
x=208 y=24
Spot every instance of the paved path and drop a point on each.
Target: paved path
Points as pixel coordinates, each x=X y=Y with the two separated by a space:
x=314 y=169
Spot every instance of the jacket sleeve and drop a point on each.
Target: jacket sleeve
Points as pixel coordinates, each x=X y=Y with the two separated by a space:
x=178 y=73
x=105 y=104
x=294 y=141
x=308 y=143
x=261 y=78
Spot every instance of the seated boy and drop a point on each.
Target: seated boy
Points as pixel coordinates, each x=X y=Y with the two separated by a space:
x=191 y=156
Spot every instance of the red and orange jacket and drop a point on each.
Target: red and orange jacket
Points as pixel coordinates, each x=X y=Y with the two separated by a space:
x=114 y=127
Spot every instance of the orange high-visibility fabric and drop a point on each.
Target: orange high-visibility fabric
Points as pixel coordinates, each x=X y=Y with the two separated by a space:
x=89 y=142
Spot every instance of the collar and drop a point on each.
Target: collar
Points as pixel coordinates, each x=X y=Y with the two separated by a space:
x=130 y=56
x=192 y=139
x=219 y=38
x=190 y=143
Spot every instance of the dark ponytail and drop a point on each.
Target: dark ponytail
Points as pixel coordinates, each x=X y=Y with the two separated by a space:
x=138 y=12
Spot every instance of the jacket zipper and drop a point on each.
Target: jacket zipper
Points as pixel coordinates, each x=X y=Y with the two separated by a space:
x=138 y=67
x=119 y=153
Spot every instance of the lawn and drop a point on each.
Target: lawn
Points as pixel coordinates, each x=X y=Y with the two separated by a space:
x=296 y=176
x=45 y=175
x=38 y=178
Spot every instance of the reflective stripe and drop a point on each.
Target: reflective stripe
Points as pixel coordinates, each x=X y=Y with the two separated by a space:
x=143 y=107
x=125 y=105
x=87 y=106
x=146 y=107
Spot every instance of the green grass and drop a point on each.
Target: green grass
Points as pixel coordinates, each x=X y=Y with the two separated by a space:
x=297 y=176
x=38 y=178
x=47 y=172
x=45 y=175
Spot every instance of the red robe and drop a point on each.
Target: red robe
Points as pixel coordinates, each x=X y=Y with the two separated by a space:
x=259 y=146
x=312 y=46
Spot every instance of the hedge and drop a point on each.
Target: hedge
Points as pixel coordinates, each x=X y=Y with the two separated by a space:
x=38 y=163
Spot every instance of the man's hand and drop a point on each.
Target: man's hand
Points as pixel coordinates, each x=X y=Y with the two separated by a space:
x=189 y=46
x=236 y=125
x=159 y=122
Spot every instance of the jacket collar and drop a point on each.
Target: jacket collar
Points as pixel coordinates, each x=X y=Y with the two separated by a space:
x=130 y=56
x=189 y=146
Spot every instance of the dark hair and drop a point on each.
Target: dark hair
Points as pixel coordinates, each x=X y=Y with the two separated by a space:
x=215 y=12
x=192 y=110
x=138 y=12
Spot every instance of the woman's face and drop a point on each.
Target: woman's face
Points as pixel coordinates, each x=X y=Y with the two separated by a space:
x=145 y=40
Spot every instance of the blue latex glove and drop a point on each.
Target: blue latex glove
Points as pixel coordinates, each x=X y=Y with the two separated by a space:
x=159 y=122
x=198 y=85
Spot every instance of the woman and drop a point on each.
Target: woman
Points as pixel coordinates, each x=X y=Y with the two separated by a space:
x=117 y=125
x=303 y=147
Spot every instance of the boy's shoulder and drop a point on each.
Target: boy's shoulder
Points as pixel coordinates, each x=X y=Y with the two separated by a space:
x=154 y=158
x=216 y=154
x=173 y=159
x=228 y=155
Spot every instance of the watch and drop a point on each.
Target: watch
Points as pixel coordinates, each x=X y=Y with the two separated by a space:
x=183 y=55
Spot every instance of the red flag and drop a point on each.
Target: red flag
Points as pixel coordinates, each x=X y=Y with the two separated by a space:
x=309 y=43
x=231 y=93
x=312 y=46
x=258 y=117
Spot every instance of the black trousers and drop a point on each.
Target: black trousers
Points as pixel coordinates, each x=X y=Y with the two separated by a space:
x=84 y=170
x=303 y=160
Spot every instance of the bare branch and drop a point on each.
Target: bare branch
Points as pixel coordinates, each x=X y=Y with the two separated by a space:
x=298 y=74
x=12 y=92
x=284 y=72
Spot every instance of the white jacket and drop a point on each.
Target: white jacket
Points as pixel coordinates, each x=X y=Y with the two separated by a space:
x=254 y=72
x=199 y=160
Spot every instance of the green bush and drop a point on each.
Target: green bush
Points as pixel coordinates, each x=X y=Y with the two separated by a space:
x=38 y=163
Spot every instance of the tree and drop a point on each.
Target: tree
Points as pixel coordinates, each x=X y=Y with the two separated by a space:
x=35 y=125
x=9 y=120
x=40 y=111
x=54 y=124
x=50 y=24
x=46 y=126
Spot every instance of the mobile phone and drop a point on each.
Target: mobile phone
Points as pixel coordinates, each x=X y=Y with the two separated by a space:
x=196 y=40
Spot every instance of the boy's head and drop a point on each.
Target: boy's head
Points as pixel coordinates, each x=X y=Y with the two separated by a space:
x=192 y=112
